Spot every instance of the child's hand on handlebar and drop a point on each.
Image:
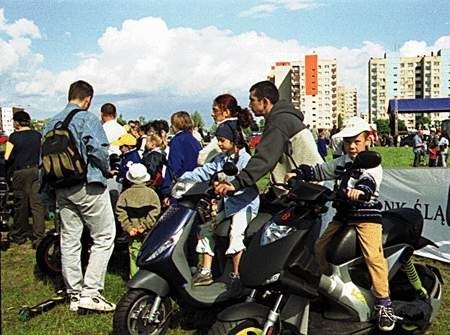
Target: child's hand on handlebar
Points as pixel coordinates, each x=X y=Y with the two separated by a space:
x=354 y=194
x=223 y=188
x=289 y=176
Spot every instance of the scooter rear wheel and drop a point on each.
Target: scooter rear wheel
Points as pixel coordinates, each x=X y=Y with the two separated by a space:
x=242 y=327
x=131 y=314
x=48 y=255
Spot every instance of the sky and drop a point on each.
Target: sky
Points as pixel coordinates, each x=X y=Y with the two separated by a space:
x=152 y=58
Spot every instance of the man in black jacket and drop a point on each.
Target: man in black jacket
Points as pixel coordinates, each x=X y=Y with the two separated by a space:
x=22 y=156
x=283 y=125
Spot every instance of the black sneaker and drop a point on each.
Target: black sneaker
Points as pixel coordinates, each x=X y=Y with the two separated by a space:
x=385 y=317
x=202 y=279
x=234 y=285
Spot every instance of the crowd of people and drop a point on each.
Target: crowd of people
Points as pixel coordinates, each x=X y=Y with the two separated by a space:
x=131 y=168
x=428 y=150
x=435 y=146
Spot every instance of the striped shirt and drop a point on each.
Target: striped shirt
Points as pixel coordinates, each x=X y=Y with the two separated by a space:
x=366 y=180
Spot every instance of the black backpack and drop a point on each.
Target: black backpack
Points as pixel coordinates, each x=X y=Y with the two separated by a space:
x=62 y=163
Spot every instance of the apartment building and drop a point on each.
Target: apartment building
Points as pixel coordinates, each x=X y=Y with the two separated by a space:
x=408 y=78
x=347 y=103
x=311 y=85
x=6 y=119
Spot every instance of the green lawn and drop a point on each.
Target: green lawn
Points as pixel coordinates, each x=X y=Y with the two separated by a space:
x=395 y=157
x=21 y=285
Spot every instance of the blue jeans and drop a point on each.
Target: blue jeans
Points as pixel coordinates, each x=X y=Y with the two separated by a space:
x=88 y=205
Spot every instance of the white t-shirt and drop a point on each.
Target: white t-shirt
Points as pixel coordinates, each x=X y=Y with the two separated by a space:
x=444 y=141
x=113 y=131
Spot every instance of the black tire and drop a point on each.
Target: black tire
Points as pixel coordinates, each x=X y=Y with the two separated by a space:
x=48 y=255
x=131 y=310
x=242 y=327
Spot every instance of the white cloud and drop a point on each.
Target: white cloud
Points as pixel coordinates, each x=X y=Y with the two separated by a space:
x=20 y=28
x=413 y=48
x=18 y=63
x=146 y=58
x=271 y=6
x=15 y=51
x=8 y=56
x=259 y=11
x=420 y=48
x=299 y=4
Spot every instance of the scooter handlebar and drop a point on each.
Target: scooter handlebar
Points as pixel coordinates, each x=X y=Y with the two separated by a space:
x=364 y=197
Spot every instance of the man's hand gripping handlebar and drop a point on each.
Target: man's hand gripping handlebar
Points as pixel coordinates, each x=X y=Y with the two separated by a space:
x=223 y=188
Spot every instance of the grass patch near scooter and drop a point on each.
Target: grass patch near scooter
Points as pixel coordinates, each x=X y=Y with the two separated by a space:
x=21 y=285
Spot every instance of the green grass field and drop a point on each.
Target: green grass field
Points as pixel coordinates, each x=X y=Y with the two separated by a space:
x=21 y=284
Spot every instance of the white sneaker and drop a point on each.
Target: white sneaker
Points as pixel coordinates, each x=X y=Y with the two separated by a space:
x=74 y=301
x=96 y=303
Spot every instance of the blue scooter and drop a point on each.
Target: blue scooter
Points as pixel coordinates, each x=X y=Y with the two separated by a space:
x=165 y=274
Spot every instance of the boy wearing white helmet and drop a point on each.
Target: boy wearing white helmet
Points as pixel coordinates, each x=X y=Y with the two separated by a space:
x=365 y=216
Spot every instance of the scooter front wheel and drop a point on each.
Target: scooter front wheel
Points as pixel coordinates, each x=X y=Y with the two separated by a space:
x=241 y=327
x=131 y=316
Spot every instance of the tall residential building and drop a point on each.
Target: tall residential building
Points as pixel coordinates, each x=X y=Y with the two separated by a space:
x=310 y=84
x=347 y=102
x=6 y=119
x=408 y=78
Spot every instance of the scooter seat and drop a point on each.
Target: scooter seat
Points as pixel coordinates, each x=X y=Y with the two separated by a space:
x=223 y=229
x=400 y=225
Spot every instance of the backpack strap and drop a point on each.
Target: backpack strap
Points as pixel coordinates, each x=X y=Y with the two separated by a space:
x=65 y=123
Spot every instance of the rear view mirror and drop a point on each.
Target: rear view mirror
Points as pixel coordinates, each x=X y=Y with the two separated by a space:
x=230 y=169
x=367 y=160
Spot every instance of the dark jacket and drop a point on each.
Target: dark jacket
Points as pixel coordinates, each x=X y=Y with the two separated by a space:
x=281 y=124
x=154 y=161
x=322 y=146
x=128 y=158
x=183 y=154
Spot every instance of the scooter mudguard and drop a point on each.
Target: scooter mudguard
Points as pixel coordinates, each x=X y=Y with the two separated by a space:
x=243 y=311
x=147 y=280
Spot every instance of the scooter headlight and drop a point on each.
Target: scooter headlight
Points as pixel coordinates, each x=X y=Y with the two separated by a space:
x=166 y=245
x=273 y=232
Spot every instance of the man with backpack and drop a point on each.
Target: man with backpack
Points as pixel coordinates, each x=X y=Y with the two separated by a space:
x=81 y=197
